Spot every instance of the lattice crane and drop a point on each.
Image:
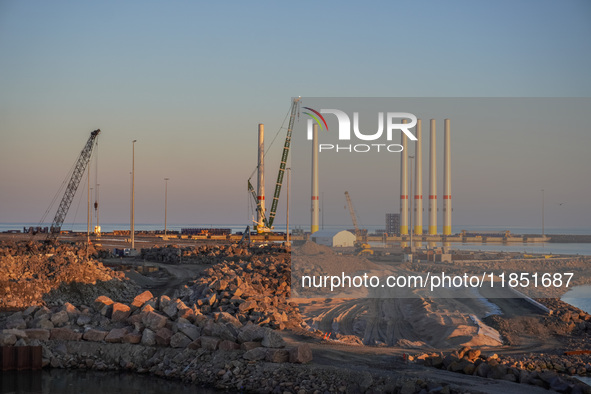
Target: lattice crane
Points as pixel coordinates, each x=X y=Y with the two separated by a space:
x=286 y=146
x=70 y=192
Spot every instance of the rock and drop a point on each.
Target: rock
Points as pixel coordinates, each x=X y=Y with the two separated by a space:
x=7 y=339
x=60 y=318
x=247 y=305
x=41 y=312
x=94 y=335
x=250 y=345
x=189 y=330
x=209 y=343
x=148 y=337
x=37 y=333
x=220 y=330
x=272 y=339
x=101 y=302
x=132 y=337
x=120 y=312
x=225 y=317
x=497 y=372
x=154 y=321
x=472 y=354
x=83 y=320
x=116 y=335
x=30 y=311
x=141 y=299
x=179 y=340
x=65 y=334
x=259 y=353
x=170 y=310
x=302 y=353
x=277 y=355
x=16 y=323
x=251 y=333
x=228 y=345
x=196 y=344
x=163 y=336
x=483 y=370
x=70 y=309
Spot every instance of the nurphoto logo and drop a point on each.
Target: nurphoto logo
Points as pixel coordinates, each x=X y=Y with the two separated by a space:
x=394 y=121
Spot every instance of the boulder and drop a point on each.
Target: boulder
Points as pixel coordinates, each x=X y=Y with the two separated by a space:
x=37 y=333
x=94 y=335
x=250 y=345
x=163 y=336
x=272 y=339
x=189 y=330
x=132 y=337
x=301 y=354
x=7 y=339
x=154 y=321
x=250 y=333
x=209 y=343
x=259 y=353
x=179 y=340
x=60 y=318
x=102 y=301
x=148 y=337
x=141 y=299
x=228 y=345
x=65 y=334
x=120 y=312
x=83 y=320
x=116 y=335
x=16 y=323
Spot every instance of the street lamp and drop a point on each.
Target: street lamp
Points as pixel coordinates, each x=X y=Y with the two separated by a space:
x=411 y=229
x=165 y=202
x=542 y=213
x=132 y=230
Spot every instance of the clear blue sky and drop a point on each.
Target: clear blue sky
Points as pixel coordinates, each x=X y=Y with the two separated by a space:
x=191 y=81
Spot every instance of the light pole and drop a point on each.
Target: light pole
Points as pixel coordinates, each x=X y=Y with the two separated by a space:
x=165 y=202
x=542 y=213
x=411 y=229
x=132 y=230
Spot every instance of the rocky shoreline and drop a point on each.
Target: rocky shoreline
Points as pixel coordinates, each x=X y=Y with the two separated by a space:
x=234 y=327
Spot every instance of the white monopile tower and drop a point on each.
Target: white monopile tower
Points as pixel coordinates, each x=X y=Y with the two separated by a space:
x=403 y=185
x=446 y=180
x=261 y=177
x=418 y=208
x=315 y=195
x=433 y=181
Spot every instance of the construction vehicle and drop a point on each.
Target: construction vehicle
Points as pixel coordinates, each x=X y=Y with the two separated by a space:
x=268 y=223
x=73 y=184
x=361 y=247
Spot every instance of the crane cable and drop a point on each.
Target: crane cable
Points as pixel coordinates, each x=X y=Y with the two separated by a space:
x=274 y=138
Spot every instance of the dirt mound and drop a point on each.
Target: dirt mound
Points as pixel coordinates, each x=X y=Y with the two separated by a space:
x=312 y=249
x=34 y=274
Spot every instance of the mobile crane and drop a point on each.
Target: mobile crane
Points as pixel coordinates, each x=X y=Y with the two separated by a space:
x=73 y=184
x=268 y=223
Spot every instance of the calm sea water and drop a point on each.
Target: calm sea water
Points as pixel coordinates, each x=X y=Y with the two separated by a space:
x=61 y=381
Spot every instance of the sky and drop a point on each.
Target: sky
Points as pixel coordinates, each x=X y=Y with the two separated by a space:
x=190 y=81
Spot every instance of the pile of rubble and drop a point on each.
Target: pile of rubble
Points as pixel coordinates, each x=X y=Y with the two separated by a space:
x=204 y=254
x=149 y=321
x=255 y=290
x=543 y=370
x=34 y=273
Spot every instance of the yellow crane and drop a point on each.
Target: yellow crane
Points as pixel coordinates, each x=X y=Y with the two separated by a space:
x=362 y=248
